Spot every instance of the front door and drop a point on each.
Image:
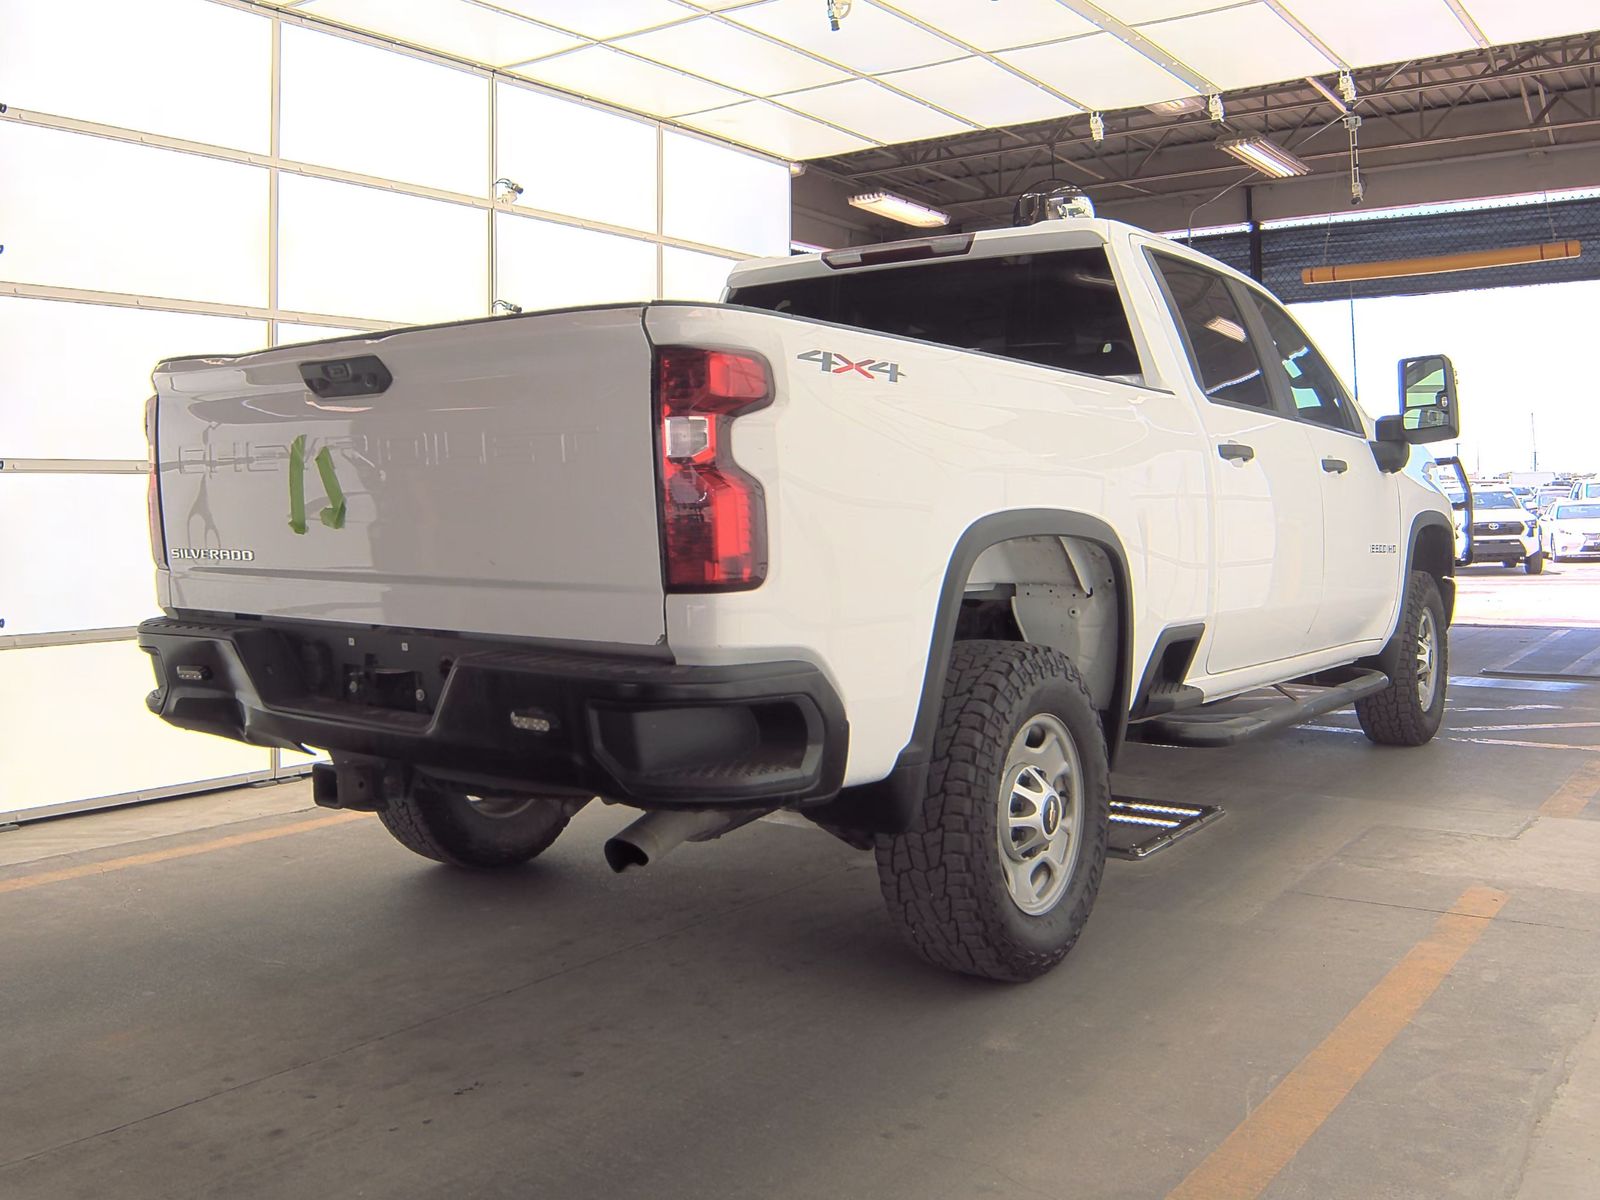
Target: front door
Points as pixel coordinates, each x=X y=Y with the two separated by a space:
x=1363 y=546
x=1267 y=559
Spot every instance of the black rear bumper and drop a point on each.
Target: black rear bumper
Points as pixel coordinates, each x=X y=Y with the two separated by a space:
x=508 y=718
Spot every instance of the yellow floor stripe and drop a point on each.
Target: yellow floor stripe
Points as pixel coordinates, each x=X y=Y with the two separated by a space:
x=38 y=879
x=1573 y=796
x=1253 y=1154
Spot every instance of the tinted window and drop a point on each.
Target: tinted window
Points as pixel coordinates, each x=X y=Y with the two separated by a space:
x=1220 y=350
x=1316 y=391
x=1060 y=309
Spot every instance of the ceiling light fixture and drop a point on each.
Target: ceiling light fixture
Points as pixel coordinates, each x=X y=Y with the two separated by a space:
x=1173 y=108
x=1214 y=106
x=898 y=208
x=1265 y=155
x=1097 y=127
x=1347 y=87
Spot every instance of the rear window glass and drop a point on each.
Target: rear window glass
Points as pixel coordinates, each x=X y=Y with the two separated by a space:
x=1060 y=309
x=1577 y=512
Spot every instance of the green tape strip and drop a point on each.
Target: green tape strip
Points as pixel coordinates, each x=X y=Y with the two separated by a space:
x=333 y=515
x=297 y=484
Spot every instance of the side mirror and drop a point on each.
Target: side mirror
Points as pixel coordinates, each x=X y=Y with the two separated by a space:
x=1390 y=449
x=1428 y=400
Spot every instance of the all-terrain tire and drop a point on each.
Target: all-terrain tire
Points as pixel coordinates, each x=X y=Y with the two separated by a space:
x=1399 y=715
x=943 y=879
x=449 y=827
x=1534 y=563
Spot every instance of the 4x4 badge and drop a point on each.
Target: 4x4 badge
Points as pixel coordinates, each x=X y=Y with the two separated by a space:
x=838 y=364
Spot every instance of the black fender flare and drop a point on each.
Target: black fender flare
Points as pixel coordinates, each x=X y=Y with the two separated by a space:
x=887 y=805
x=1386 y=659
x=1433 y=518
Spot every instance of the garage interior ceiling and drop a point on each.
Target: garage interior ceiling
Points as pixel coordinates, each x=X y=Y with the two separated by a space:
x=1483 y=122
x=771 y=75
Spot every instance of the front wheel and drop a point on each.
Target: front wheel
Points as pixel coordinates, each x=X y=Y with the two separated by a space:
x=475 y=831
x=999 y=870
x=1410 y=710
x=1534 y=563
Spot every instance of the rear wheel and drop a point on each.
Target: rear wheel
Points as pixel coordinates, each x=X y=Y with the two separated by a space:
x=475 y=831
x=1534 y=563
x=999 y=870
x=1410 y=710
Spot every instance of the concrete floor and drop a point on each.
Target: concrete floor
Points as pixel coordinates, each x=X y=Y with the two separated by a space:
x=203 y=998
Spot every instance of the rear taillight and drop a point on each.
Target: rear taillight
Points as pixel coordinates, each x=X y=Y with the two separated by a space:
x=713 y=515
x=152 y=494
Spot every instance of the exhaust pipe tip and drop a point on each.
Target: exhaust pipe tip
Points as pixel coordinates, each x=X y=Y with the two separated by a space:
x=622 y=854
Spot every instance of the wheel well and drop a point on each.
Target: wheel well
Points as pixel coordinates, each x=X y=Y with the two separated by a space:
x=1434 y=552
x=977 y=571
x=1061 y=592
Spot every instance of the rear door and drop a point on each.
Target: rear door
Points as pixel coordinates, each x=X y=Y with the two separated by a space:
x=1267 y=540
x=1363 y=547
x=488 y=477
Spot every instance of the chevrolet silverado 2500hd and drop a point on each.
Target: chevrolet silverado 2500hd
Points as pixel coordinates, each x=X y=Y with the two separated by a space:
x=907 y=538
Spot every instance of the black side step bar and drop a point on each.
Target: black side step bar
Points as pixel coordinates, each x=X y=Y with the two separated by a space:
x=1224 y=724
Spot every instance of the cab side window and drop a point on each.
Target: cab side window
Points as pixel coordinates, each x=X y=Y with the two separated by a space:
x=1216 y=334
x=1315 y=390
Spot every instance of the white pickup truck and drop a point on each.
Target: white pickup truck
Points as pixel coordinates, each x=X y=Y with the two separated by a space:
x=909 y=539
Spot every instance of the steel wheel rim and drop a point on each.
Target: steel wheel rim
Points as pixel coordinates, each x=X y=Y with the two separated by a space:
x=1427 y=660
x=1040 y=814
x=500 y=808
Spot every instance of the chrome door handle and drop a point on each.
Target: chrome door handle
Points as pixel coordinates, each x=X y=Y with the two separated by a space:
x=1236 y=451
x=1335 y=466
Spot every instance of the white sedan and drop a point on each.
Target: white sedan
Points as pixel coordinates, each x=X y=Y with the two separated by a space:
x=1571 y=529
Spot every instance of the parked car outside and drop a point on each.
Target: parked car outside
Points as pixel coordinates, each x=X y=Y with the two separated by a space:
x=1503 y=531
x=1571 y=529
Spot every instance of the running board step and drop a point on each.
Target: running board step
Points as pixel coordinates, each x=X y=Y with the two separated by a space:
x=1228 y=721
x=1141 y=827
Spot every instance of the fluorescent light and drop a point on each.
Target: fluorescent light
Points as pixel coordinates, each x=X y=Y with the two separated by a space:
x=1265 y=155
x=1227 y=328
x=898 y=208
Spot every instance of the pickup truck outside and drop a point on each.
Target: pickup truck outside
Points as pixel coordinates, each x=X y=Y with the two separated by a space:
x=909 y=538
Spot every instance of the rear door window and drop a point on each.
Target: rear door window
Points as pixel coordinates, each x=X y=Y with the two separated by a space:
x=1057 y=309
x=1215 y=333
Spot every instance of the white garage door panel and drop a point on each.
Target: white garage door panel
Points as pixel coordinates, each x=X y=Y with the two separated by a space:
x=95 y=410
x=367 y=110
x=73 y=727
x=720 y=197
x=83 y=544
x=83 y=212
x=95 y=60
x=574 y=159
x=354 y=251
x=545 y=265
x=687 y=275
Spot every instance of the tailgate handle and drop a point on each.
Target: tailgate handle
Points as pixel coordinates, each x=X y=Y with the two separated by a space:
x=335 y=377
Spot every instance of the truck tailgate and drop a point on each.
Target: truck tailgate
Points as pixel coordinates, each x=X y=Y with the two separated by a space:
x=492 y=477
